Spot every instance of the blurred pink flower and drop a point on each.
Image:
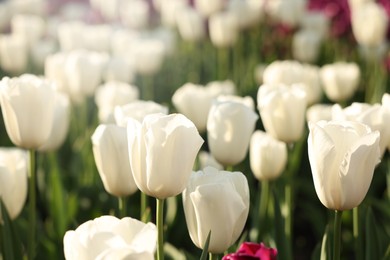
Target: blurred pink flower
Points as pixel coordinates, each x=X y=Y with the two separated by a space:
x=252 y=251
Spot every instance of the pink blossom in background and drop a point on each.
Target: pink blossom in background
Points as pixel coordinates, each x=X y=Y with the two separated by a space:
x=253 y=251
x=338 y=11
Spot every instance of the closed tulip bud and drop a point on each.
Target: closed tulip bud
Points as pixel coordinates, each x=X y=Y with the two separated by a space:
x=69 y=35
x=162 y=153
x=96 y=37
x=369 y=24
x=149 y=55
x=13 y=54
x=41 y=50
x=84 y=70
x=377 y=117
x=282 y=111
x=340 y=80
x=108 y=237
x=246 y=101
x=111 y=154
x=229 y=128
x=137 y=110
x=289 y=72
x=217 y=202
x=224 y=87
x=5 y=15
x=207 y=160
x=343 y=156
x=134 y=14
x=319 y=112
x=13 y=180
x=170 y=9
x=60 y=124
x=112 y=94
x=118 y=69
x=191 y=24
x=268 y=156
x=316 y=21
x=55 y=70
x=30 y=27
x=208 y=8
x=223 y=29
x=306 y=45
x=27 y=104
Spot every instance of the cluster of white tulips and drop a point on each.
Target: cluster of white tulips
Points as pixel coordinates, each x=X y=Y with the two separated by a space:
x=223 y=129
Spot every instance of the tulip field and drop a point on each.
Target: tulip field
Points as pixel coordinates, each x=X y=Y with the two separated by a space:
x=195 y=129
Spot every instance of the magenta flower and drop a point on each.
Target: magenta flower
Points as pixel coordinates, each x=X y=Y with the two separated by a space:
x=252 y=251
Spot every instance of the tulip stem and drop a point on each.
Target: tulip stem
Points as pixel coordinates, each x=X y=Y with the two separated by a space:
x=223 y=63
x=337 y=235
x=122 y=207
x=148 y=87
x=32 y=210
x=160 y=230
x=143 y=207
x=358 y=246
x=213 y=256
x=264 y=198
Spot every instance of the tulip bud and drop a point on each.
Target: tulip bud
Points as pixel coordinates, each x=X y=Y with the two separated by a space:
x=69 y=35
x=107 y=237
x=118 y=69
x=369 y=24
x=343 y=156
x=27 y=104
x=306 y=45
x=190 y=24
x=111 y=154
x=96 y=37
x=340 y=80
x=112 y=94
x=282 y=111
x=13 y=180
x=207 y=160
x=268 y=156
x=148 y=55
x=162 y=153
x=223 y=29
x=134 y=14
x=208 y=8
x=288 y=12
x=319 y=112
x=217 y=202
x=229 y=128
x=13 y=53
x=137 y=110
x=30 y=27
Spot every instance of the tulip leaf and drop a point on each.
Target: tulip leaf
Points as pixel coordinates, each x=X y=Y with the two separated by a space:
x=387 y=254
x=326 y=248
x=204 y=254
x=372 y=239
x=10 y=243
x=280 y=238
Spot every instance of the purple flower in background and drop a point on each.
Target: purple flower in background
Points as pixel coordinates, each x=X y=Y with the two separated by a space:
x=253 y=251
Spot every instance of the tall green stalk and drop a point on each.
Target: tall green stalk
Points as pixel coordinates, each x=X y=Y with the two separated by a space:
x=160 y=229
x=144 y=205
x=356 y=226
x=337 y=235
x=264 y=199
x=32 y=209
x=213 y=256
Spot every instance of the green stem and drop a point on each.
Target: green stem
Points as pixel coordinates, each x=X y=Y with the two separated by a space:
x=264 y=199
x=213 y=256
x=288 y=223
x=160 y=230
x=144 y=205
x=358 y=246
x=223 y=63
x=32 y=210
x=337 y=235
x=148 y=88
x=122 y=207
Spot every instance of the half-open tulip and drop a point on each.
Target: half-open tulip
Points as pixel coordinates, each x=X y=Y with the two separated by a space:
x=162 y=153
x=13 y=180
x=108 y=237
x=343 y=156
x=217 y=202
x=27 y=104
x=111 y=154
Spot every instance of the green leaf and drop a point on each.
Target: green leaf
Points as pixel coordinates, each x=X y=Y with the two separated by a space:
x=10 y=243
x=204 y=254
x=372 y=241
x=280 y=238
x=326 y=245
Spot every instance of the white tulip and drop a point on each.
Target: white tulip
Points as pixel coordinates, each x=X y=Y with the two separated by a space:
x=208 y=8
x=223 y=29
x=282 y=111
x=13 y=180
x=340 y=80
x=30 y=27
x=191 y=24
x=319 y=112
x=268 y=156
x=27 y=104
x=112 y=94
x=162 y=153
x=343 y=156
x=107 y=237
x=111 y=154
x=229 y=128
x=13 y=53
x=216 y=201
x=306 y=45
